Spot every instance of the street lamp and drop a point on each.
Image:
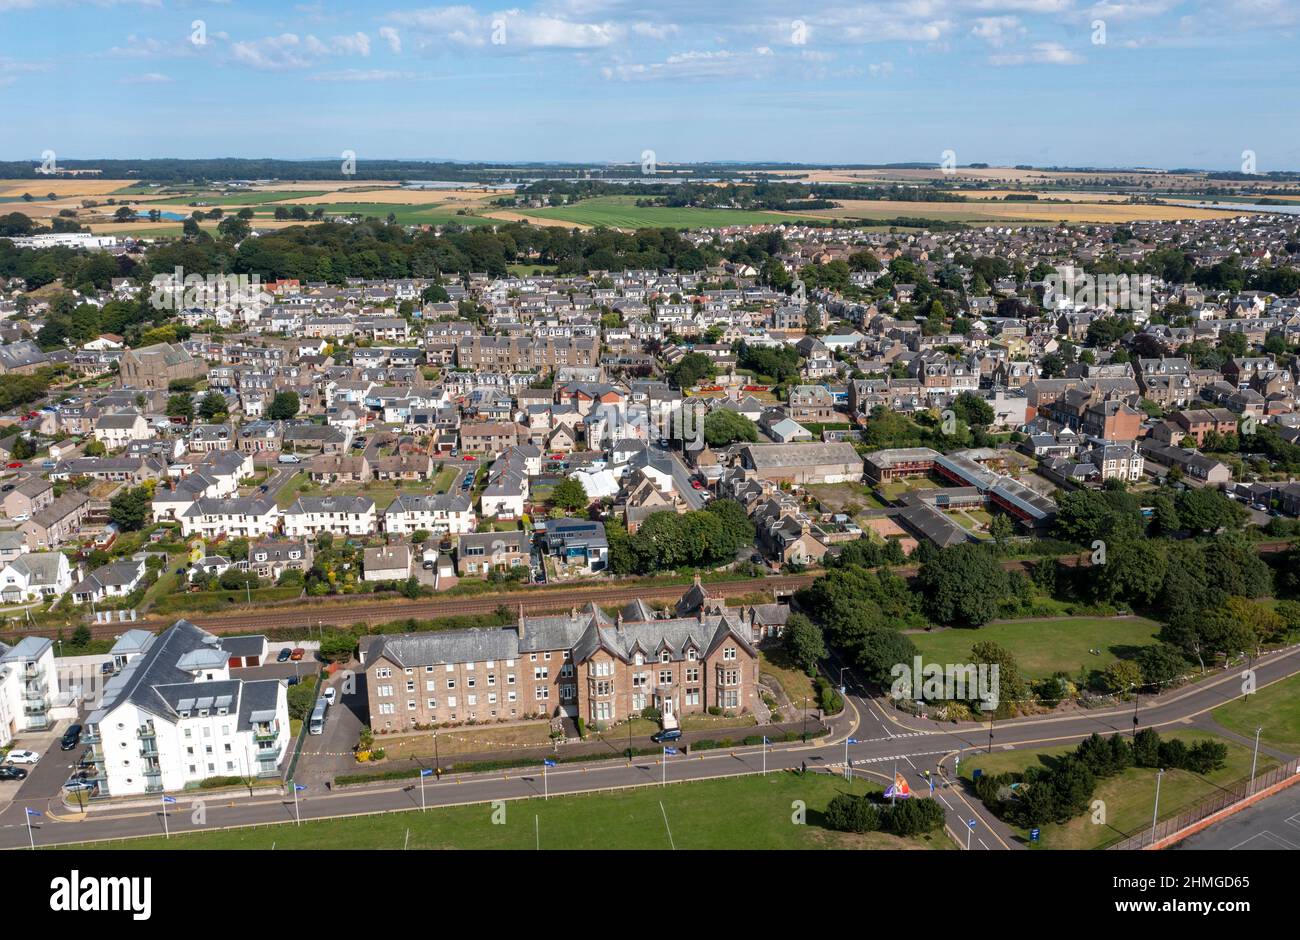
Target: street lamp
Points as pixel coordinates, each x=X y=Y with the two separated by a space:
x=1254 y=760
x=1155 y=814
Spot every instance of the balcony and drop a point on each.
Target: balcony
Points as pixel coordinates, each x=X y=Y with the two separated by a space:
x=149 y=749
x=91 y=737
x=146 y=733
x=33 y=671
x=263 y=734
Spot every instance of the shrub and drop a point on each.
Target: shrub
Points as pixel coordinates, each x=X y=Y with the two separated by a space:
x=848 y=813
x=913 y=816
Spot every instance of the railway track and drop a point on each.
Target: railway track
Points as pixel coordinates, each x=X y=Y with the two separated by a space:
x=332 y=613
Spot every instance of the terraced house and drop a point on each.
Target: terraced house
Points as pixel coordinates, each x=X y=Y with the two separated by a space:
x=581 y=664
x=310 y=516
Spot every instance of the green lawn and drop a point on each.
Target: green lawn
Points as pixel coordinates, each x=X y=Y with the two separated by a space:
x=424 y=214
x=1044 y=647
x=753 y=812
x=444 y=479
x=1129 y=797
x=623 y=212
x=1275 y=708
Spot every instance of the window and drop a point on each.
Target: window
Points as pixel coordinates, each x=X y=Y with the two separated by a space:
x=384 y=691
x=431 y=704
x=410 y=685
x=540 y=673
x=410 y=706
x=690 y=655
x=728 y=652
x=469 y=682
x=451 y=701
x=451 y=683
x=693 y=675
x=383 y=673
x=665 y=677
x=543 y=693
x=665 y=657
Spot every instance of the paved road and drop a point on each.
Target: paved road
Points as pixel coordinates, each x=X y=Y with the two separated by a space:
x=885 y=741
x=1273 y=823
x=666 y=461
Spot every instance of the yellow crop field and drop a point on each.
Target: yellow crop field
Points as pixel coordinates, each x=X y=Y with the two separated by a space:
x=1015 y=211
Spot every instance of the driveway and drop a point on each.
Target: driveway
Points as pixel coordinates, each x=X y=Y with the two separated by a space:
x=325 y=756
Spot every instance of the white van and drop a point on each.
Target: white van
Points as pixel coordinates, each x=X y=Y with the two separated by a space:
x=288 y=458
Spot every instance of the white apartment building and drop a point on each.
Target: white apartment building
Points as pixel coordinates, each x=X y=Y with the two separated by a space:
x=27 y=683
x=439 y=515
x=246 y=516
x=173 y=716
x=309 y=516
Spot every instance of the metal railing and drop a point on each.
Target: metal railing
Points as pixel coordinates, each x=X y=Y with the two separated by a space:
x=1228 y=796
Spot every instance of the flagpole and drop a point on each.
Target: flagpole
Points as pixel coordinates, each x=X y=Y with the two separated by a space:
x=422 y=806
x=167 y=833
x=764 y=755
x=297 y=817
x=546 y=787
x=894 y=799
x=665 y=780
x=30 y=837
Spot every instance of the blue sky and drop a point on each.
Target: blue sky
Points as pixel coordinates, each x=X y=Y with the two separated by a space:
x=1161 y=83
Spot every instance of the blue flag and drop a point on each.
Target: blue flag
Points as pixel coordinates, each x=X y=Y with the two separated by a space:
x=426 y=773
x=765 y=740
x=547 y=762
x=670 y=750
x=169 y=799
x=32 y=812
x=298 y=786
x=853 y=740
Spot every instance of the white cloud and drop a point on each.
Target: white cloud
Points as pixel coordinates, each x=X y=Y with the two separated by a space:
x=392 y=37
x=146 y=78
x=512 y=29
x=997 y=31
x=363 y=75
x=291 y=51
x=1040 y=53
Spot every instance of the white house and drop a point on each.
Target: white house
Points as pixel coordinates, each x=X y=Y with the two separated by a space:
x=243 y=516
x=173 y=717
x=309 y=516
x=35 y=575
x=441 y=514
x=118 y=430
x=117 y=579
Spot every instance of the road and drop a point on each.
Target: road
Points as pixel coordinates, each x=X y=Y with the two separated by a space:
x=885 y=741
x=666 y=461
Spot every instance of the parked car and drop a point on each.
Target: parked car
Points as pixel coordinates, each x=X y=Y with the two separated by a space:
x=22 y=757
x=71 y=738
x=668 y=734
x=466 y=457
x=329 y=695
x=283 y=655
x=74 y=784
x=8 y=772
x=697 y=485
x=106 y=669
x=292 y=680
x=15 y=465
x=297 y=654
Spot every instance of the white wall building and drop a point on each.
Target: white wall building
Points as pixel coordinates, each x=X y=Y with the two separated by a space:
x=173 y=716
x=309 y=516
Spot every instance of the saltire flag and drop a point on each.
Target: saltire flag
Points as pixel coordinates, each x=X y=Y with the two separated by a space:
x=298 y=787
x=670 y=750
x=169 y=799
x=426 y=773
x=547 y=762
x=900 y=787
x=32 y=812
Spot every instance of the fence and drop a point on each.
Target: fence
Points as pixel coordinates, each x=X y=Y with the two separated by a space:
x=1230 y=795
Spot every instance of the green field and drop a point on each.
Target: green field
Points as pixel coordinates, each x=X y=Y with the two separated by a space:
x=1275 y=708
x=751 y=812
x=1045 y=647
x=431 y=213
x=623 y=212
x=1129 y=797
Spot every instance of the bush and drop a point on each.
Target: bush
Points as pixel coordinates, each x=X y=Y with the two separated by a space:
x=913 y=817
x=651 y=713
x=828 y=698
x=848 y=813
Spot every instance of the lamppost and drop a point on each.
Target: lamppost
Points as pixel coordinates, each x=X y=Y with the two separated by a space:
x=1155 y=814
x=1254 y=760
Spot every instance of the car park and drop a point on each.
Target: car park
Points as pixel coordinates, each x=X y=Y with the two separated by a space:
x=22 y=757
x=283 y=655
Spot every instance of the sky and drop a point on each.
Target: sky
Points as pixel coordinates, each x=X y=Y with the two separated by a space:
x=1152 y=83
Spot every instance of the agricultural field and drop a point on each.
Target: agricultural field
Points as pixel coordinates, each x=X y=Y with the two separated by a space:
x=1039 y=212
x=622 y=212
x=1043 y=647
x=1129 y=797
x=682 y=816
